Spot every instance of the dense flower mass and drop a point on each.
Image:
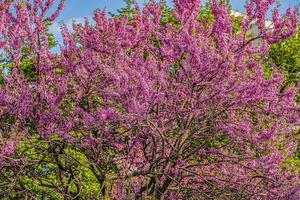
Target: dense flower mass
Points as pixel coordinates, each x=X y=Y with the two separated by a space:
x=178 y=110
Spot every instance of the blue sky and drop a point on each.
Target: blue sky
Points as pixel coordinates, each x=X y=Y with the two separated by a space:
x=79 y=9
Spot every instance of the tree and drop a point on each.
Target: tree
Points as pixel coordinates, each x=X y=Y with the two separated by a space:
x=285 y=56
x=147 y=108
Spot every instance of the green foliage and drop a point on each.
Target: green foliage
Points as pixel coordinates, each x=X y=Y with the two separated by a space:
x=286 y=57
x=55 y=156
x=127 y=11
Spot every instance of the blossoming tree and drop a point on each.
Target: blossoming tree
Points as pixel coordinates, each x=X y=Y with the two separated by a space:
x=144 y=109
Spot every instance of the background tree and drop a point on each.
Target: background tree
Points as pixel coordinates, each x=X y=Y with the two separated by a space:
x=285 y=56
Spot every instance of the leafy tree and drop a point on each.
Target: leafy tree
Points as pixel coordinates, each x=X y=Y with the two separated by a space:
x=159 y=104
x=285 y=56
